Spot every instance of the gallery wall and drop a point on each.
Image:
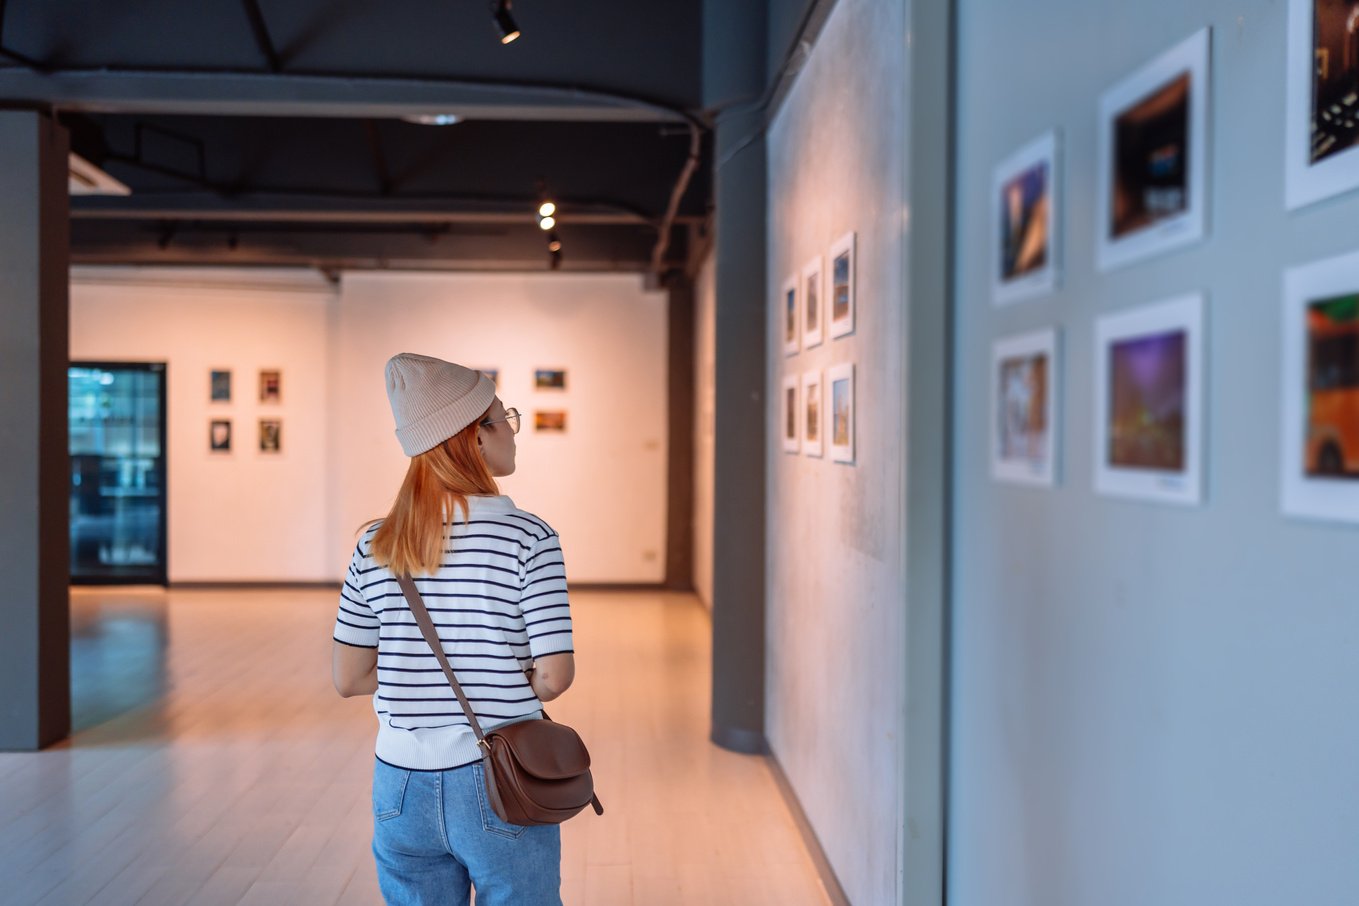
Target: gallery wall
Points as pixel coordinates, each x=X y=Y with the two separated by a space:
x=835 y=570
x=601 y=484
x=1150 y=700
x=705 y=415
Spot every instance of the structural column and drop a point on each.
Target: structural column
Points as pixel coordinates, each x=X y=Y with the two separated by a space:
x=35 y=623
x=734 y=79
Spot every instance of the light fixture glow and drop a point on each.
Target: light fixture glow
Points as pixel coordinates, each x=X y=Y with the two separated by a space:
x=433 y=119
x=547 y=209
x=509 y=31
x=554 y=243
x=547 y=223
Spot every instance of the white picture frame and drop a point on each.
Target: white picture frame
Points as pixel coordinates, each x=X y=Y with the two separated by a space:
x=812 y=298
x=1026 y=204
x=841 y=299
x=813 y=415
x=842 y=417
x=791 y=413
x=790 y=316
x=1153 y=88
x=1152 y=359
x=1337 y=170
x=1025 y=415
x=1319 y=464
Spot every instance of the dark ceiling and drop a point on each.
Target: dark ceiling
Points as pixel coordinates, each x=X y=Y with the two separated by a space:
x=271 y=131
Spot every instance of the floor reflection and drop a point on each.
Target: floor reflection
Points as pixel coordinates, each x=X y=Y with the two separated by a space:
x=118 y=646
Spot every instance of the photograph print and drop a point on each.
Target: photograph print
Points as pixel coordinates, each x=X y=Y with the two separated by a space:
x=792 y=434
x=1024 y=428
x=271 y=389
x=792 y=336
x=842 y=301
x=552 y=421
x=220 y=383
x=271 y=435
x=812 y=417
x=811 y=303
x=1320 y=461
x=1321 y=156
x=219 y=436
x=840 y=393
x=1152 y=157
x=549 y=379
x=1024 y=204
x=1149 y=402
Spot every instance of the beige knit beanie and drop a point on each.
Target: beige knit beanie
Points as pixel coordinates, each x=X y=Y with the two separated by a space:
x=432 y=400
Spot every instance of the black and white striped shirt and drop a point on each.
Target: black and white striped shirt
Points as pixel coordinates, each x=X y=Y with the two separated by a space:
x=498 y=602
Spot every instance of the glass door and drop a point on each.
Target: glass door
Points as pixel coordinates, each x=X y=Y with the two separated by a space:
x=117 y=415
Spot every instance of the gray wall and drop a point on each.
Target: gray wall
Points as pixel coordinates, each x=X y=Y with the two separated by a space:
x=835 y=687
x=1150 y=704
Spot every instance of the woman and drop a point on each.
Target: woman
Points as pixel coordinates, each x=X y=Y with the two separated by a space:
x=493 y=580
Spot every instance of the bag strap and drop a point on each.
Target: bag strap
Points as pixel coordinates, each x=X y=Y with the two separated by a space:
x=426 y=625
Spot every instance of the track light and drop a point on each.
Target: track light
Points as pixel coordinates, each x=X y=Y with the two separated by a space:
x=547 y=223
x=509 y=31
x=547 y=209
x=554 y=243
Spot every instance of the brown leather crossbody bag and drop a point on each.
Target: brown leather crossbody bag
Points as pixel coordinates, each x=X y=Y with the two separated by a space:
x=537 y=771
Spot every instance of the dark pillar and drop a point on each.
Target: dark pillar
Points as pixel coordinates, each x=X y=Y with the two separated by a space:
x=35 y=643
x=734 y=64
x=679 y=558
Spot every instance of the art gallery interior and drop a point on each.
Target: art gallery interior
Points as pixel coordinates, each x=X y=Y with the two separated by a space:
x=949 y=411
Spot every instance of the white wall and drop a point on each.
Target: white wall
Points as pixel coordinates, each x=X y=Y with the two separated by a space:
x=835 y=605
x=254 y=517
x=226 y=512
x=705 y=416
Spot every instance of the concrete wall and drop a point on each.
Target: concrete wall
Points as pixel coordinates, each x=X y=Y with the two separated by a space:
x=1151 y=704
x=705 y=439
x=834 y=566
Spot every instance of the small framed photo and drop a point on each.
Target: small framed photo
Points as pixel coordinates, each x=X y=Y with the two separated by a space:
x=271 y=389
x=219 y=436
x=1025 y=203
x=842 y=286
x=1149 y=402
x=551 y=421
x=811 y=303
x=1321 y=134
x=219 y=382
x=271 y=435
x=812 y=414
x=549 y=379
x=792 y=336
x=840 y=384
x=1320 y=461
x=792 y=415
x=1024 y=422
x=1152 y=157
x=493 y=374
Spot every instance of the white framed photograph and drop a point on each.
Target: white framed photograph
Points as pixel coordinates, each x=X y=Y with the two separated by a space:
x=840 y=393
x=1149 y=402
x=1025 y=209
x=842 y=299
x=792 y=335
x=1025 y=371
x=1152 y=157
x=812 y=294
x=1320 y=461
x=792 y=415
x=813 y=416
x=1321 y=134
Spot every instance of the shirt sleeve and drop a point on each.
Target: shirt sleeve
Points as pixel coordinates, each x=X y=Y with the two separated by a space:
x=547 y=614
x=356 y=624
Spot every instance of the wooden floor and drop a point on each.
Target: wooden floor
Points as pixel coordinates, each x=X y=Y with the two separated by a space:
x=215 y=764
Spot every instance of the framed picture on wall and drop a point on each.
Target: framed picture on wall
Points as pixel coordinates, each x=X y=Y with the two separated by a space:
x=812 y=315
x=840 y=390
x=219 y=383
x=1152 y=157
x=271 y=386
x=549 y=379
x=1149 y=402
x=492 y=373
x=842 y=286
x=812 y=415
x=1320 y=461
x=1321 y=134
x=792 y=336
x=551 y=421
x=271 y=435
x=792 y=433
x=1025 y=202
x=1024 y=423
x=219 y=436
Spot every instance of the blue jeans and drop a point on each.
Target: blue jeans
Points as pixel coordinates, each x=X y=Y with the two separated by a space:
x=435 y=836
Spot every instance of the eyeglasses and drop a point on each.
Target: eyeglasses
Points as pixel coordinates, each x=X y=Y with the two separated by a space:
x=511 y=418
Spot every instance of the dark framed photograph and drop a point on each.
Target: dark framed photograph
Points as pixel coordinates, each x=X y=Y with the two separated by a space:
x=549 y=379
x=1321 y=157
x=220 y=384
x=219 y=436
x=271 y=386
x=552 y=421
x=271 y=435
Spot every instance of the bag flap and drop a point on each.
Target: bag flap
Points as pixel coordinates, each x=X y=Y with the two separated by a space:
x=543 y=748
